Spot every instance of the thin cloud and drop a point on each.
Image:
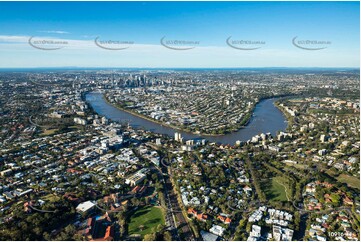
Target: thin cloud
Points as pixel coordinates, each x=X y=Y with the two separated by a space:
x=54 y=32
x=14 y=38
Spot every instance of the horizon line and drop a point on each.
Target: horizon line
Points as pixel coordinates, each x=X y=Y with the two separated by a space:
x=258 y=67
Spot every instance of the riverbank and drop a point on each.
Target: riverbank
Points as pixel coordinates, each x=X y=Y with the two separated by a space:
x=289 y=118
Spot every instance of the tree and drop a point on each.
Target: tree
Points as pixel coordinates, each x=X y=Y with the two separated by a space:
x=160 y=227
x=335 y=199
x=154 y=177
x=135 y=201
x=47 y=236
x=149 y=237
x=167 y=236
x=297 y=220
x=242 y=223
x=248 y=227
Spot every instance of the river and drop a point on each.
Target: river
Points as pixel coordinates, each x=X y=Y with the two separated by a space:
x=266 y=118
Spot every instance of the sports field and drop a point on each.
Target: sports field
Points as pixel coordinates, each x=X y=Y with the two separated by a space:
x=349 y=180
x=145 y=220
x=276 y=189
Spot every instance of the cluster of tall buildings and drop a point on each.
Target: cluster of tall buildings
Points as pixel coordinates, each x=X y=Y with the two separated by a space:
x=178 y=137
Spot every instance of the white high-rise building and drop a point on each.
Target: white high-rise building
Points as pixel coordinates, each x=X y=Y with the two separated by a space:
x=178 y=137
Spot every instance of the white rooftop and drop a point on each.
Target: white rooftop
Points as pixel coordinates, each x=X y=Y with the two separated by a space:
x=85 y=206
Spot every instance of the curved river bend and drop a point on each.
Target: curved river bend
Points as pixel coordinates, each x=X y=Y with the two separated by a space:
x=266 y=118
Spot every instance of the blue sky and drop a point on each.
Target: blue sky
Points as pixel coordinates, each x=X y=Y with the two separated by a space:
x=274 y=24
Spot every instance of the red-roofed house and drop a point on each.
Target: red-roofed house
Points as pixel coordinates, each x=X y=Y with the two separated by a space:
x=202 y=217
x=348 y=201
x=225 y=220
